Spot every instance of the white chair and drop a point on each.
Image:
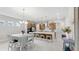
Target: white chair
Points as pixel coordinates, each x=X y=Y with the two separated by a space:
x=20 y=42
x=23 y=42
x=13 y=44
x=29 y=42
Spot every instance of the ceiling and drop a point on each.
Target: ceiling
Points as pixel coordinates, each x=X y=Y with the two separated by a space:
x=38 y=13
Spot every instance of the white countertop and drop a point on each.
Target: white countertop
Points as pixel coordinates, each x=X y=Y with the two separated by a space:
x=20 y=35
x=44 y=32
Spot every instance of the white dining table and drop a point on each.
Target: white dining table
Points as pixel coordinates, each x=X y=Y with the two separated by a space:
x=19 y=35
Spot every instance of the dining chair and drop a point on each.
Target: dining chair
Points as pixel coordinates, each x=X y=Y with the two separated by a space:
x=29 y=42
x=20 y=42
x=13 y=44
x=23 y=41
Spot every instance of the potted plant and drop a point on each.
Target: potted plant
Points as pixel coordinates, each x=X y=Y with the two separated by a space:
x=67 y=30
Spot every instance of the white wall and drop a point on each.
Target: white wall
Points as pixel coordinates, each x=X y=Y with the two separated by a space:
x=6 y=29
x=36 y=14
x=52 y=13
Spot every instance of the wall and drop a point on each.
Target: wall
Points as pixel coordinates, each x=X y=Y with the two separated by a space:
x=7 y=28
x=76 y=28
x=36 y=14
x=39 y=14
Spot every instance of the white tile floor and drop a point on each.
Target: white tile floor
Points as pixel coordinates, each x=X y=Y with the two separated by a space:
x=39 y=45
x=44 y=45
x=4 y=46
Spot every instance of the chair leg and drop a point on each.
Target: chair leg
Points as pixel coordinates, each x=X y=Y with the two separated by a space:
x=20 y=48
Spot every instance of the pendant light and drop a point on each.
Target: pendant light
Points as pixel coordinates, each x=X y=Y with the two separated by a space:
x=23 y=14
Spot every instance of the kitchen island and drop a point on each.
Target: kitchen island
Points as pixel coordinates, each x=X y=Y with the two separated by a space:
x=45 y=35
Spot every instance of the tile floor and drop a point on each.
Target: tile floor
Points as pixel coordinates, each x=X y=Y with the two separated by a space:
x=45 y=45
x=39 y=45
x=4 y=46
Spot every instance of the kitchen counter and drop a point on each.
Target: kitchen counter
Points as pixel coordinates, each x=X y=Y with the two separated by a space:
x=52 y=35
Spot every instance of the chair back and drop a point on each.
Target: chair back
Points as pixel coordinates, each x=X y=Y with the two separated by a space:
x=30 y=37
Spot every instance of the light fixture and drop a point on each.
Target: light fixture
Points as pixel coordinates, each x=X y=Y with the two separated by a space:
x=22 y=21
x=26 y=22
x=23 y=12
